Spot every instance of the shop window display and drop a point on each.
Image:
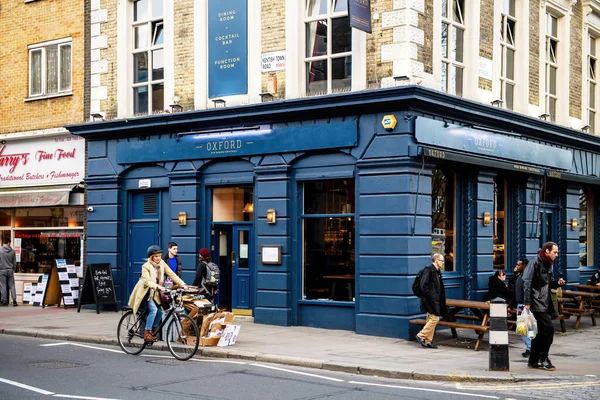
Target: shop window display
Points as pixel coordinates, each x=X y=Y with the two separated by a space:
x=442 y=216
x=328 y=231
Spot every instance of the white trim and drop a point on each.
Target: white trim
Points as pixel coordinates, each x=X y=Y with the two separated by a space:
x=254 y=51
x=200 y=54
x=436 y=47
x=169 y=54
x=124 y=73
x=472 y=26
x=50 y=43
x=295 y=45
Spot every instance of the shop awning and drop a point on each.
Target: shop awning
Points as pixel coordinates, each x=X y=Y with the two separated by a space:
x=35 y=196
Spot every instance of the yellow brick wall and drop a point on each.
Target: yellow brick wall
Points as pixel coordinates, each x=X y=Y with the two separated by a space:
x=273 y=39
x=534 y=52
x=576 y=80
x=486 y=38
x=425 y=54
x=184 y=53
x=377 y=70
x=109 y=28
x=23 y=24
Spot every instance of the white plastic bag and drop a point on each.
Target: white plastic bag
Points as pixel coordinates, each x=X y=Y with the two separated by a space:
x=526 y=324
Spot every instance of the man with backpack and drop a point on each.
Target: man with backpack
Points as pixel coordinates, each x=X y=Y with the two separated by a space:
x=430 y=289
x=207 y=275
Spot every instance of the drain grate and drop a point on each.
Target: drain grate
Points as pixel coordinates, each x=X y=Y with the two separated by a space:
x=168 y=361
x=56 y=364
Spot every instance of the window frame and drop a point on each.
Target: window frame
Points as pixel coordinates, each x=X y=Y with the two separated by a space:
x=455 y=223
x=42 y=48
x=591 y=96
x=506 y=45
x=449 y=62
x=551 y=62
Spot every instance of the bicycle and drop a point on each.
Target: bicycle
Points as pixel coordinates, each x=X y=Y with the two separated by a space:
x=182 y=331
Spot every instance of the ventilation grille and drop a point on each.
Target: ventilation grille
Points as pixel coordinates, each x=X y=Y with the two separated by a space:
x=151 y=204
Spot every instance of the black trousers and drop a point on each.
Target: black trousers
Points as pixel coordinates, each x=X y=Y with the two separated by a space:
x=540 y=345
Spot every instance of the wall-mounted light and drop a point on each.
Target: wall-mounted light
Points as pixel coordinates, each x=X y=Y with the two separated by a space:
x=574 y=224
x=97 y=117
x=586 y=128
x=271 y=216
x=248 y=208
x=182 y=218
x=487 y=219
x=497 y=103
x=544 y=116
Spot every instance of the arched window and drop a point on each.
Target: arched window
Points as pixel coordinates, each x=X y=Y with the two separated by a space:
x=443 y=195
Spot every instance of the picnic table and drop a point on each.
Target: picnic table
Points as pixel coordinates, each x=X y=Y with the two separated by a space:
x=479 y=319
x=581 y=305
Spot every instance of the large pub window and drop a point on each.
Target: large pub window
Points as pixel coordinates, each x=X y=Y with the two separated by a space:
x=442 y=216
x=499 y=223
x=328 y=244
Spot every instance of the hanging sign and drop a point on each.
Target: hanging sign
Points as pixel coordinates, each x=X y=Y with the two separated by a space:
x=359 y=12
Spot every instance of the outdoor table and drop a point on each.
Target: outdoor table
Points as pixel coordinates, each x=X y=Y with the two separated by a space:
x=583 y=298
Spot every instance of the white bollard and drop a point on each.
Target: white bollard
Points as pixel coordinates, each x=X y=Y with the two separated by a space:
x=498 y=336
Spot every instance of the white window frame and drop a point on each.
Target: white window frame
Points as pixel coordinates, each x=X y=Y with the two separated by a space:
x=454 y=26
x=505 y=46
x=295 y=43
x=42 y=47
x=587 y=106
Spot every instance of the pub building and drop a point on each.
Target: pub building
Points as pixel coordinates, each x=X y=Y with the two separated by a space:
x=41 y=202
x=321 y=210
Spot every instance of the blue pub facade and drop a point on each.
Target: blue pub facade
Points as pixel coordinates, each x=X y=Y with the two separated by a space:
x=320 y=211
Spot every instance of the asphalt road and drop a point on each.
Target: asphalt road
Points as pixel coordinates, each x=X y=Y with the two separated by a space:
x=33 y=368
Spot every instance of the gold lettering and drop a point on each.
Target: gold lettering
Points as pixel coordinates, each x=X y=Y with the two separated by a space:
x=435 y=153
x=554 y=174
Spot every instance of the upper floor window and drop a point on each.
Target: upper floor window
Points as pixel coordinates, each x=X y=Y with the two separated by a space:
x=453 y=43
x=50 y=68
x=148 y=56
x=508 y=48
x=328 y=61
x=551 y=65
x=592 y=84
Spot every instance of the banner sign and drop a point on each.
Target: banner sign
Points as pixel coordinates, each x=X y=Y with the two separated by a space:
x=227 y=47
x=44 y=161
x=484 y=143
x=259 y=141
x=360 y=14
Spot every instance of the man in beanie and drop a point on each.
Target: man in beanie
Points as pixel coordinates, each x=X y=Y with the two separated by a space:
x=207 y=275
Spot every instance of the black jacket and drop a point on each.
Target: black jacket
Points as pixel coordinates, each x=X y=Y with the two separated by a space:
x=206 y=290
x=518 y=291
x=595 y=278
x=497 y=288
x=433 y=300
x=537 y=282
x=166 y=259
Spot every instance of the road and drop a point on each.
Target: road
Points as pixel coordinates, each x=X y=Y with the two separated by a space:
x=32 y=368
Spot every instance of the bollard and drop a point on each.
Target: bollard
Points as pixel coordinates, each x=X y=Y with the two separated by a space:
x=498 y=336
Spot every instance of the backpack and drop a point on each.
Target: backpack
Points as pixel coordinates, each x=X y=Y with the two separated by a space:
x=416 y=286
x=212 y=274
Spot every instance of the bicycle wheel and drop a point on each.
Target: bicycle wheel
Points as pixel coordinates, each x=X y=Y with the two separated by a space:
x=182 y=337
x=130 y=333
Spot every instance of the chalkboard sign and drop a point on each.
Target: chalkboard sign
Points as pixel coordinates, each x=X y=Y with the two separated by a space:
x=98 y=287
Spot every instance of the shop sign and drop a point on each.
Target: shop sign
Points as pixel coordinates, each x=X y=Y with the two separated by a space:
x=28 y=198
x=484 y=143
x=46 y=161
x=273 y=61
x=360 y=14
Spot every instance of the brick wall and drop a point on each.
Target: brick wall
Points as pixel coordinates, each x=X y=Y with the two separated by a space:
x=534 y=50
x=273 y=39
x=425 y=54
x=23 y=24
x=109 y=79
x=376 y=69
x=486 y=38
x=576 y=78
x=184 y=53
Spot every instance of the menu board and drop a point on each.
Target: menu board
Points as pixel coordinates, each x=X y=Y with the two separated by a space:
x=98 y=287
x=28 y=292
x=40 y=290
x=68 y=281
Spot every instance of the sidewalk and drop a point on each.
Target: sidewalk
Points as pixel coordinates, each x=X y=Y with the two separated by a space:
x=575 y=353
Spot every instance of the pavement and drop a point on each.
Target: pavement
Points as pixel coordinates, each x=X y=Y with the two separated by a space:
x=576 y=353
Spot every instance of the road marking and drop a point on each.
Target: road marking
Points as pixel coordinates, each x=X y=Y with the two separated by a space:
x=27 y=387
x=531 y=387
x=68 y=396
x=298 y=372
x=83 y=345
x=424 y=390
x=54 y=344
x=219 y=361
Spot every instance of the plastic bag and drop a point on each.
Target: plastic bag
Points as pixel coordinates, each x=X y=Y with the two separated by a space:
x=526 y=324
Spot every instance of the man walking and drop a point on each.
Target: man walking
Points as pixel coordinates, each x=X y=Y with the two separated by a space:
x=433 y=300
x=537 y=282
x=172 y=259
x=8 y=264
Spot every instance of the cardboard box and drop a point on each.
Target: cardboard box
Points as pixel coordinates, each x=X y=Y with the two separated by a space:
x=214 y=328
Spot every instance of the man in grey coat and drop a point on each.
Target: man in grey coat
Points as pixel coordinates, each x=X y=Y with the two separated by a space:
x=8 y=264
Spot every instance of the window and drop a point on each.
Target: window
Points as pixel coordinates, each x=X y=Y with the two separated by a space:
x=551 y=65
x=148 y=56
x=453 y=34
x=50 y=68
x=328 y=59
x=328 y=240
x=508 y=49
x=442 y=216
x=592 y=84
x=583 y=231
x=499 y=223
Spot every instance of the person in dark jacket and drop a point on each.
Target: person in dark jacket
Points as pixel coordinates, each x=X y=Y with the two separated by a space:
x=537 y=282
x=208 y=291
x=497 y=287
x=172 y=259
x=518 y=298
x=595 y=281
x=8 y=264
x=433 y=301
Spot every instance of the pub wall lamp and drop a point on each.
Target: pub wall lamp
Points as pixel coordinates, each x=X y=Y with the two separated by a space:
x=487 y=219
x=271 y=216
x=544 y=116
x=574 y=224
x=586 y=128
x=97 y=117
x=497 y=103
x=182 y=218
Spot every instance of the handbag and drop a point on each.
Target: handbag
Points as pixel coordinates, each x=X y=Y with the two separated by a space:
x=165 y=300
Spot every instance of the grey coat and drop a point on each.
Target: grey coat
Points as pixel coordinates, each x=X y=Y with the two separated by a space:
x=8 y=260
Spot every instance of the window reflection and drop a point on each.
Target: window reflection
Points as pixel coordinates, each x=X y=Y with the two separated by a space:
x=583 y=235
x=499 y=223
x=442 y=216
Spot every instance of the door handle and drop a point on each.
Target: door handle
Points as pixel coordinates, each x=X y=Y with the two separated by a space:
x=233 y=258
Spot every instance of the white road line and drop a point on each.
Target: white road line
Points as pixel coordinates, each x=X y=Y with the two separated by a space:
x=27 y=387
x=54 y=344
x=89 y=347
x=424 y=390
x=219 y=361
x=298 y=372
x=68 y=396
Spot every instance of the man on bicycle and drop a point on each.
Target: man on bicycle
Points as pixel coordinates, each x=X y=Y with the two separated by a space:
x=148 y=289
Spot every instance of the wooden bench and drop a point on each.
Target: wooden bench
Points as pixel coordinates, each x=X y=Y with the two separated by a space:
x=576 y=305
x=480 y=330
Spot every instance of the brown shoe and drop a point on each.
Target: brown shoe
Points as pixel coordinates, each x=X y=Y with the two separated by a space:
x=148 y=336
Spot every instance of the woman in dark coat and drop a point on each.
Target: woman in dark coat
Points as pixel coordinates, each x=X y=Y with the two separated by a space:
x=497 y=287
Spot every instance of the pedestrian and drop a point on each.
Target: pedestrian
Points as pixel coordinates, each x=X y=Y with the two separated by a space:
x=172 y=259
x=207 y=275
x=497 y=287
x=537 y=282
x=148 y=288
x=595 y=281
x=8 y=265
x=518 y=299
x=433 y=300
